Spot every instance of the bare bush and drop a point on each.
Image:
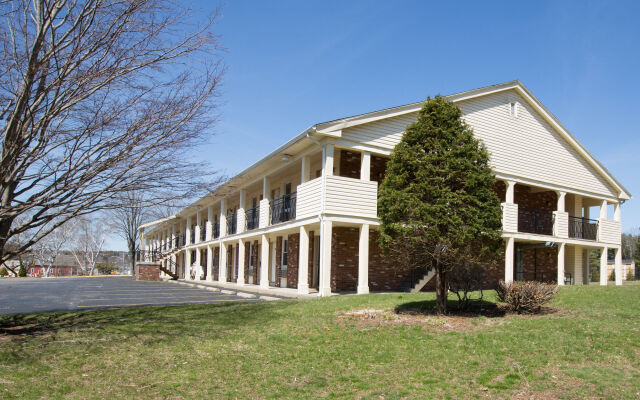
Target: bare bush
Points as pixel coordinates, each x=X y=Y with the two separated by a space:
x=466 y=281
x=526 y=296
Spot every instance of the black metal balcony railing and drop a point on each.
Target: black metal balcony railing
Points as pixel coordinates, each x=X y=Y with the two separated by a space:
x=150 y=255
x=182 y=240
x=192 y=236
x=283 y=208
x=216 y=230
x=203 y=233
x=583 y=228
x=252 y=216
x=535 y=221
x=232 y=223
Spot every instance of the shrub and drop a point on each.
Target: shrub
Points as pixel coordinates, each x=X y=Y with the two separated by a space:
x=3 y=271
x=595 y=274
x=465 y=281
x=612 y=277
x=22 y=272
x=525 y=296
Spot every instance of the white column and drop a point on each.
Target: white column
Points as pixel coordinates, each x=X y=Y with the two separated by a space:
x=241 y=215
x=222 y=267
x=603 y=266
x=561 y=201
x=142 y=240
x=209 y=264
x=223 y=218
x=303 y=261
x=187 y=269
x=508 y=260
x=241 y=262
x=266 y=188
x=365 y=166
x=363 y=260
x=198 y=264
x=618 y=267
x=305 y=169
x=561 y=264
x=616 y=212
x=198 y=223
x=603 y=210
x=188 y=231
x=209 y=227
x=264 y=262
x=326 y=228
x=327 y=160
x=511 y=190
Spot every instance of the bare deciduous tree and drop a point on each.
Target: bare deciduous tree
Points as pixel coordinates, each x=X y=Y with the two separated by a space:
x=47 y=249
x=98 y=98
x=87 y=242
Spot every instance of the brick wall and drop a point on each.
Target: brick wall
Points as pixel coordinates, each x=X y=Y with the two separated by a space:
x=378 y=168
x=383 y=274
x=292 y=260
x=216 y=263
x=539 y=264
x=147 y=272
x=278 y=260
x=547 y=200
x=350 y=162
x=344 y=259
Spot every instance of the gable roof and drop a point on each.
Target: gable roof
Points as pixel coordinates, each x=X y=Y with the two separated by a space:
x=334 y=128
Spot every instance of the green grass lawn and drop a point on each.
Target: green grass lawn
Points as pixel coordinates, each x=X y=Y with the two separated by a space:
x=307 y=349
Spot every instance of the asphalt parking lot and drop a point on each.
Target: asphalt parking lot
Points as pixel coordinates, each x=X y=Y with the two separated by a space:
x=36 y=295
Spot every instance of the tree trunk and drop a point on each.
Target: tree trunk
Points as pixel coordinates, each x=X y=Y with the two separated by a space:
x=132 y=256
x=441 y=290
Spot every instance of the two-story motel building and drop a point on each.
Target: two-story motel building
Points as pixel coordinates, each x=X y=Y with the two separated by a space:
x=305 y=216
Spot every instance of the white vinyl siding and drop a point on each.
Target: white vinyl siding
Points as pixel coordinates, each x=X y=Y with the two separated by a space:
x=349 y=196
x=523 y=145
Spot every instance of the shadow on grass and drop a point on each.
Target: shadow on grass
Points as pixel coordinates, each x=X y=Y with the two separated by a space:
x=157 y=322
x=474 y=309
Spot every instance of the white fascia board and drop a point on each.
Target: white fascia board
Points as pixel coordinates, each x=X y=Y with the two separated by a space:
x=157 y=222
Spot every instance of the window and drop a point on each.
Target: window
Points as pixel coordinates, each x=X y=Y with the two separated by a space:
x=285 y=245
x=514 y=108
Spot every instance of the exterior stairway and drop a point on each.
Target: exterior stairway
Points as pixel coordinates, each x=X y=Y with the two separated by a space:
x=170 y=271
x=417 y=279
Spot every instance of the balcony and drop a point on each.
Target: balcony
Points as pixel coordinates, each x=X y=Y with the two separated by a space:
x=203 y=234
x=215 y=230
x=283 y=208
x=252 y=218
x=232 y=223
x=583 y=228
x=344 y=196
x=535 y=221
x=192 y=236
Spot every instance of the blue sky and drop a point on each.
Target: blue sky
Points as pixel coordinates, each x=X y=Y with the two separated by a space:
x=291 y=64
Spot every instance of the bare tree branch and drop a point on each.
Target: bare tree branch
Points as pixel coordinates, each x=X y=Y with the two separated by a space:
x=99 y=98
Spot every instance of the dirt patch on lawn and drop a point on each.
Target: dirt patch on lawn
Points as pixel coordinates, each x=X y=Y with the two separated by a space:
x=455 y=321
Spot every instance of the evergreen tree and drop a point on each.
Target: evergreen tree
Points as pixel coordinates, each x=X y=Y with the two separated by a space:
x=437 y=205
